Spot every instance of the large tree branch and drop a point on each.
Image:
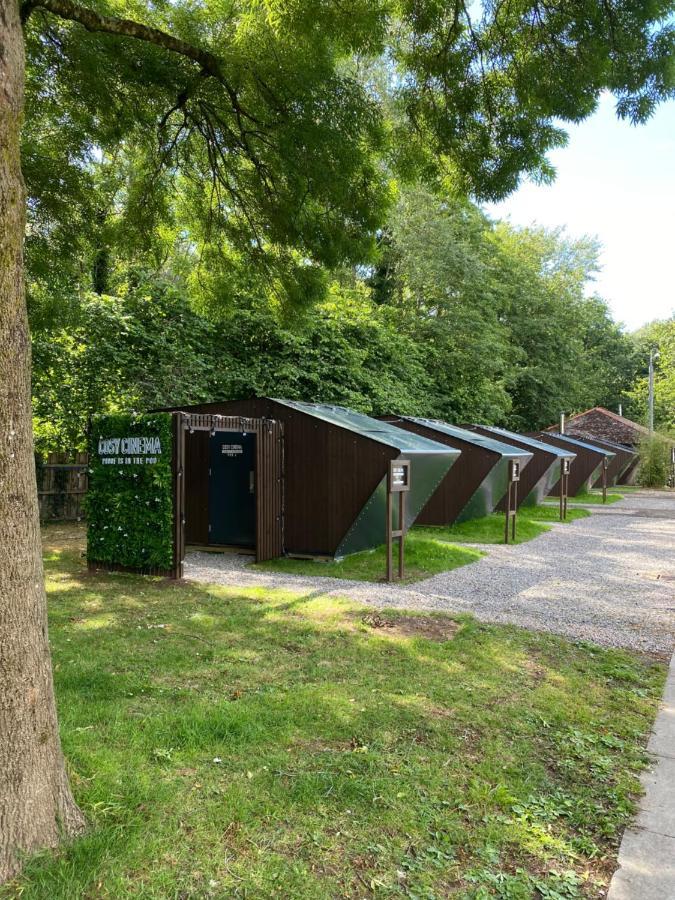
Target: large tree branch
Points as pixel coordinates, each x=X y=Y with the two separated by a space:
x=94 y=21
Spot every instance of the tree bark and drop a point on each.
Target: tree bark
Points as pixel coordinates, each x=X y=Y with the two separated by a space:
x=36 y=805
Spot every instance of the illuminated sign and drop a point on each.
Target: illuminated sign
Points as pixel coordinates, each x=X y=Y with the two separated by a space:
x=134 y=451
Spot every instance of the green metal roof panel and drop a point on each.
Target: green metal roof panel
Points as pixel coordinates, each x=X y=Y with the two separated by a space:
x=398 y=438
x=531 y=442
x=585 y=444
x=471 y=437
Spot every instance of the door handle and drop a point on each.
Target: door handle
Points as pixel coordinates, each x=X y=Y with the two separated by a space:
x=251 y=482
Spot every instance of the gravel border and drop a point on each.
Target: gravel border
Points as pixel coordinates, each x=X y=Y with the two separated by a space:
x=599 y=579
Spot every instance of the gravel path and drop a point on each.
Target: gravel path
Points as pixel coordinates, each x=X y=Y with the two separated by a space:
x=609 y=578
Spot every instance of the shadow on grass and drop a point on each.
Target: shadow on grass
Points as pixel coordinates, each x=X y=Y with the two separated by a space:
x=228 y=742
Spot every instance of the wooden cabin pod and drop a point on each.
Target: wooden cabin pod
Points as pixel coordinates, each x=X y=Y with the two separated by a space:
x=587 y=466
x=542 y=472
x=479 y=479
x=333 y=473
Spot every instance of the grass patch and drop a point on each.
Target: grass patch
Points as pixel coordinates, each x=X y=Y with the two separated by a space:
x=425 y=555
x=234 y=743
x=595 y=497
x=486 y=530
x=550 y=513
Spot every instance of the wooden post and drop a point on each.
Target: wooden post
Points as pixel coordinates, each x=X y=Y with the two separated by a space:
x=512 y=501
x=390 y=537
x=398 y=482
x=604 y=479
x=564 y=480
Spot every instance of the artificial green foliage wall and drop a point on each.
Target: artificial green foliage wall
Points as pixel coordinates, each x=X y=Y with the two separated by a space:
x=130 y=498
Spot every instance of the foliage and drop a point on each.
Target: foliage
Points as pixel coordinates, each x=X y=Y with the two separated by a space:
x=438 y=283
x=246 y=742
x=511 y=335
x=655 y=467
x=659 y=336
x=572 y=356
x=129 y=505
x=269 y=143
x=425 y=555
x=147 y=348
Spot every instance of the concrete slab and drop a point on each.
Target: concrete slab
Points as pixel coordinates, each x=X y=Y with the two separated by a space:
x=657 y=809
x=647 y=854
x=647 y=868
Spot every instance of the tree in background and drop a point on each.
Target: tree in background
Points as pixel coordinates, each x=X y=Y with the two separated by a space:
x=256 y=106
x=659 y=336
x=571 y=354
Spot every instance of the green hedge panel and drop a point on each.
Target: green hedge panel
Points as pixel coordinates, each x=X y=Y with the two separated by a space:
x=130 y=498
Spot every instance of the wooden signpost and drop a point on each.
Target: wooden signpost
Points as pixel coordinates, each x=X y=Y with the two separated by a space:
x=398 y=482
x=512 y=500
x=565 y=466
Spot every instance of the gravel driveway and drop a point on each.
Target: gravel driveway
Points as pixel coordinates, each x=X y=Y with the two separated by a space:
x=609 y=578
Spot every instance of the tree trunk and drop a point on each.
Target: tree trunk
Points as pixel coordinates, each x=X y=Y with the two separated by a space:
x=36 y=806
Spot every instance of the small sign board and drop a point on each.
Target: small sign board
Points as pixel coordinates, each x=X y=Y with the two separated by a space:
x=605 y=462
x=231 y=449
x=515 y=470
x=566 y=466
x=399 y=475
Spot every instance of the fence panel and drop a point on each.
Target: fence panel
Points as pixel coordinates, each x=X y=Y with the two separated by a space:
x=62 y=481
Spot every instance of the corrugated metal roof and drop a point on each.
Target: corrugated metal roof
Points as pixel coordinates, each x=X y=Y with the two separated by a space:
x=359 y=423
x=531 y=442
x=471 y=437
x=585 y=444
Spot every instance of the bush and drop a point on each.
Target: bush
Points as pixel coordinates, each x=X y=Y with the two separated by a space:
x=655 y=467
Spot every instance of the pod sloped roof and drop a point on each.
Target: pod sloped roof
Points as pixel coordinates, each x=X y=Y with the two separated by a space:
x=587 y=445
x=531 y=442
x=471 y=437
x=398 y=438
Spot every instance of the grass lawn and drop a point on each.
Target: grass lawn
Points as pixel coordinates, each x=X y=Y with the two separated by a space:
x=425 y=555
x=230 y=743
x=490 y=529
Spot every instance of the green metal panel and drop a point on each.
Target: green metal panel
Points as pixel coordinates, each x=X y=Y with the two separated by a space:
x=404 y=441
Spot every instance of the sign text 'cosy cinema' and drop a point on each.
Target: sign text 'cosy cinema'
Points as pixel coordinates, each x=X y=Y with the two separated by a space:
x=139 y=451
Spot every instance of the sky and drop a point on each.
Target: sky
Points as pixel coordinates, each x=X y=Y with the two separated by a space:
x=615 y=181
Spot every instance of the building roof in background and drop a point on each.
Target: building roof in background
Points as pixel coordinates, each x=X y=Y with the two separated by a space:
x=605 y=412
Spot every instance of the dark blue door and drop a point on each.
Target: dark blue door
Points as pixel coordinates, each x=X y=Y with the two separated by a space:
x=232 y=489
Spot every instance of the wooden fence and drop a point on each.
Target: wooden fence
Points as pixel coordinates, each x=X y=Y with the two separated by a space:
x=62 y=481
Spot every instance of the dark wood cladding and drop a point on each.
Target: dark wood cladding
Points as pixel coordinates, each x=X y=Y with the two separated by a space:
x=531 y=474
x=197 y=487
x=582 y=473
x=269 y=491
x=329 y=473
x=462 y=481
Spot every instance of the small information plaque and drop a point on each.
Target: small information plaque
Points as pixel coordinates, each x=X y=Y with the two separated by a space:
x=399 y=475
